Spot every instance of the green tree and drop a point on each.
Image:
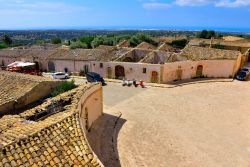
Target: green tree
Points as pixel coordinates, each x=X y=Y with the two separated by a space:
x=87 y=40
x=3 y=45
x=78 y=44
x=206 y=34
x=63 y=87
x=56 y=41
x=179 y=43
x=7 y=39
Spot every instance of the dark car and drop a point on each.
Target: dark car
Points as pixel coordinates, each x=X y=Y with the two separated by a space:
x=94 y=77
x=245 y=70
x=242 y=75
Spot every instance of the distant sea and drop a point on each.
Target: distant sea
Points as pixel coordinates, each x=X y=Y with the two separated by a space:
x=119 y=28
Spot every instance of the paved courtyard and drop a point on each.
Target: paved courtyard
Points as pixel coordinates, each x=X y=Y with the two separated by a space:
x=205 y=124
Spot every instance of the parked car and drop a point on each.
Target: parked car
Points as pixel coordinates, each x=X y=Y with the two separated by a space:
x=94 y=77
x=243 y=74
x=60 y=75
x=245 y=70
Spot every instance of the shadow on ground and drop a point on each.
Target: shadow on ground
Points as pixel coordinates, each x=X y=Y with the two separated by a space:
x=103 y=139
x=198 y=80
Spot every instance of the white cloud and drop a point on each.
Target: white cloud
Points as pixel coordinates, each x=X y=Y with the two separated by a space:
x=216 y=3
x=193 y=2
x=156 y=5
x=37 y=7
x=233 y=4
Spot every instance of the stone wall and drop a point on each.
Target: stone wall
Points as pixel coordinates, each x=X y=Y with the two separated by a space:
x=211 y=69
x=132 y=70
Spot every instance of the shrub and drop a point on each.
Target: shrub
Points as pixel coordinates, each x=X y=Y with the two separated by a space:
x=206 y=34
x=56 y=41
x=218 y=46
x=179 y=43
x=63 y=87
x=2 y=46
x=78 y=44
x=82 y=72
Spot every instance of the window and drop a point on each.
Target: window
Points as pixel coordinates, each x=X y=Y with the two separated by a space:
x=144 y=70
x=101 y=65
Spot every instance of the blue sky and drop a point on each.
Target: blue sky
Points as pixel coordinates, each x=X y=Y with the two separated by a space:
x=33 y=14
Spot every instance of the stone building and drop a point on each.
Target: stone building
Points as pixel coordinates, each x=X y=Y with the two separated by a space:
x=19 y=90
x=53 y=133
x=196 y=62
x=241 y=45
x=140 y=63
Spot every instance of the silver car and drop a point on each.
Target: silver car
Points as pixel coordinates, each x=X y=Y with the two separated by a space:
x=60 y=75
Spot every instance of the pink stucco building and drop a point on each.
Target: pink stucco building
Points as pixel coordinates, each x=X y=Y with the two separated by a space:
x=150 y=65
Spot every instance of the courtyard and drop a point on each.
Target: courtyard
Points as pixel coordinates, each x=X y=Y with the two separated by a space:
x=203 y=124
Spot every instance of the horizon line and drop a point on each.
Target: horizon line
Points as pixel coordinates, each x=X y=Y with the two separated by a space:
x=133 y=28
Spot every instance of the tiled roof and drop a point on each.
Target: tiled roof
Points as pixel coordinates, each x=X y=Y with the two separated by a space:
x=133 y=55
x=124 y=43
x=202 y=53
x=55 y=140
x=238 y=43
x=145 y=45
x=159 y=57
x=167 y=48
x=11 y=52
x=20 y=84
x=84 y=55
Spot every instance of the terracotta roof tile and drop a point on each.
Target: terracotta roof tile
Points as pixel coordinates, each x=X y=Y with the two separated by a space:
x=203 y=53
x=57 y=140
x=20 y=83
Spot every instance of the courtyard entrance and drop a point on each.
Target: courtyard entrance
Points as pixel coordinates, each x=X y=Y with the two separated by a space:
x=199 y=71
x=51 y=66
x=154 y=77
x=119 y=72
x=109 y=72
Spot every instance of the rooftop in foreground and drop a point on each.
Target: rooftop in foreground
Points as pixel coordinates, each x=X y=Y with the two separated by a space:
x=41 y=137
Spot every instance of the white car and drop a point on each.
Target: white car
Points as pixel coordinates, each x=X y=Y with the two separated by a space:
x=60 y=75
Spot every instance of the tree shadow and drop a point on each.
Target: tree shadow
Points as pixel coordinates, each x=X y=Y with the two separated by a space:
x=103 y=139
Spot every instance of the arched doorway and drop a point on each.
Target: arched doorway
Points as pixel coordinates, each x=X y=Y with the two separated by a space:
x=154 y=77
x=51 y=66
x=179 y=73
x=199 y=71
x=37 y=65
x=248 y=54
x=109 y=72
x=119 y=72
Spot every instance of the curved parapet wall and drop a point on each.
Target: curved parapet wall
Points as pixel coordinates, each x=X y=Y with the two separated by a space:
x=54 y=133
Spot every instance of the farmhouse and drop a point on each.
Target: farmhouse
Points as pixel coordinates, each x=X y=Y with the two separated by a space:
x=196 y=62
x=145 y=62
x=238 y=44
